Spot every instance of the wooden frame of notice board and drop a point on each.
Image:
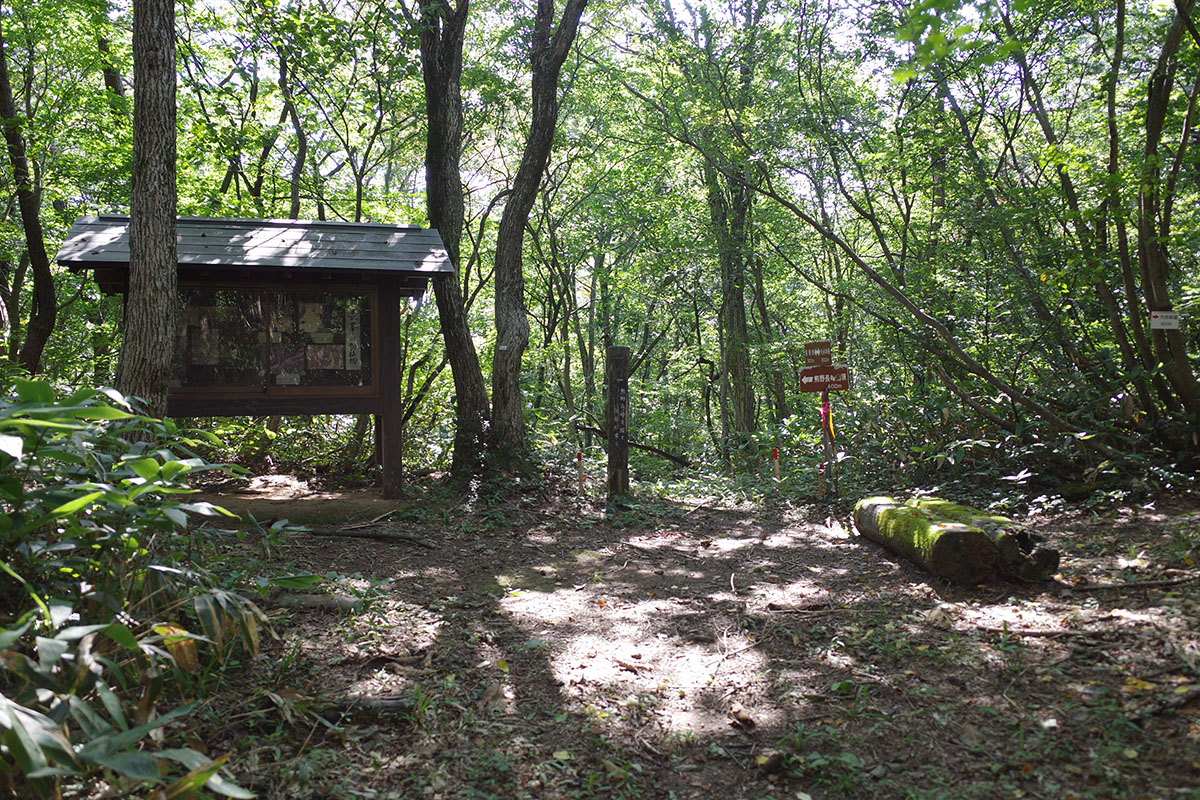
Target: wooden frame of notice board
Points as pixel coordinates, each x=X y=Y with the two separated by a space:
x=283 y=317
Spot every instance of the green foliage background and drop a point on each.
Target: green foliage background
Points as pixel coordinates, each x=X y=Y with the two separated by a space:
x=840 y=120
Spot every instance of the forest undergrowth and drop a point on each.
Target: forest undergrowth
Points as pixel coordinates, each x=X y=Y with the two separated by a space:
x=538 y=644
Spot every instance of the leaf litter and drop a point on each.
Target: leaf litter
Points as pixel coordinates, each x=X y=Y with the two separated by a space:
x=665 y=650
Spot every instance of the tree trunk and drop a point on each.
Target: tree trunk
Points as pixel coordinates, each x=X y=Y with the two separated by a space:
x=548 y=50
x=41 y=320
x=11 y=291
x=148 y=343
x=112 y=80
x=1169 y=346
x=729 y=211
x=441 y=29
x=767 y=338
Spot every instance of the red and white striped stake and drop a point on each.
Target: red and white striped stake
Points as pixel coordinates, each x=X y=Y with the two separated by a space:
x=579 y=459
x=775 y=458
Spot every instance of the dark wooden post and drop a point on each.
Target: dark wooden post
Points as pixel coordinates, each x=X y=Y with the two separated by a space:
x=389 y=421
x=618 y=420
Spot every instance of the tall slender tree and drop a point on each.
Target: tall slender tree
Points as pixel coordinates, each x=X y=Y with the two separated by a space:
x=549 y=46
x=145 y=363
x=41 y=322
x=440 y=27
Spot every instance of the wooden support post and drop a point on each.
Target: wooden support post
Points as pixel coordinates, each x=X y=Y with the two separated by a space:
x=618 y=420
x=391 y=410
x=827 y=435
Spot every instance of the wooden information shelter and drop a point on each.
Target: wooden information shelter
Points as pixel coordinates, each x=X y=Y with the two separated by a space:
x=282 y=316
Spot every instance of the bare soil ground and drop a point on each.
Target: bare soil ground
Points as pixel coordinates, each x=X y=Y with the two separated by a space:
x=542 y=646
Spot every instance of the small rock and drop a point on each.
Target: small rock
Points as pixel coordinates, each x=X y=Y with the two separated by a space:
x=771 y=762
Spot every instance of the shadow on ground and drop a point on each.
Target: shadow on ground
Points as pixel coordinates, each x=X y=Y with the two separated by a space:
x=539 y=647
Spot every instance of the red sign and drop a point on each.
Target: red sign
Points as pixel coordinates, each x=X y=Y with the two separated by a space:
x=818 y=354
x=835 y=378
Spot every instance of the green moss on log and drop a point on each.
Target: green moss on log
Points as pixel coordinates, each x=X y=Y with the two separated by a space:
x=949 y=549
x=945 y=538
x=1018 y=556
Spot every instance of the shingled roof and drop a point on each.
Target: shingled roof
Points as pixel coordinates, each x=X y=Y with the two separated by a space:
x=275 y=248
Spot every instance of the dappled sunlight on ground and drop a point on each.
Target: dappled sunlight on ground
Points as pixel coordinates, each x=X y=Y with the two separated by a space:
x=676 y=651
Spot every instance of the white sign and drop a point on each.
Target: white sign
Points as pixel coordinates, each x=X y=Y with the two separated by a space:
x=353 y=339
x=1164 y=320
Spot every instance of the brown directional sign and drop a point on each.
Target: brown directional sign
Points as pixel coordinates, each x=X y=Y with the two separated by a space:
x=818 y=354
x=835 y=378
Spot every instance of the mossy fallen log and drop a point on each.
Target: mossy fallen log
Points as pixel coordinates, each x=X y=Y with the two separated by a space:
x=950 y=550
x=1017 y=551
x=954 y=542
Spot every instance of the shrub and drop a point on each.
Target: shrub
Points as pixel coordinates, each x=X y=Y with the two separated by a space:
x=96 y=596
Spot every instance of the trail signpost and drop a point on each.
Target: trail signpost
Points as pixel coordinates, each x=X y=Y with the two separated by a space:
x=818 y=354
x=834 y=378
x=618 y=421
x=1164 y=320
x=820 y=374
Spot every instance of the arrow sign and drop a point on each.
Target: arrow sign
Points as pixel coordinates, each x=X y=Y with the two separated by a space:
x=1164 y=320
x=835 y=378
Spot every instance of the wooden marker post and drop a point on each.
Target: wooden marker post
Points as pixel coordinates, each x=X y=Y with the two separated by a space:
x=775 y=458
x=390 y=420
x=579 y=458
x=618 y=420
x=820 y=374
x=827 y=434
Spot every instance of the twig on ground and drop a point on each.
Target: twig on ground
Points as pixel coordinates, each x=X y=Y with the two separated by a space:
x=1049 y=634
x=636 y=669
x=726 y=656
x=775 y=608
x=1097 y=587
x=360 y=525
x=1175 y=701
x=366 y=705
x=387 y=536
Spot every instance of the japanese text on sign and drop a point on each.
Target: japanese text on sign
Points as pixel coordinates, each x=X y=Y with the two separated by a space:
x=834 y=378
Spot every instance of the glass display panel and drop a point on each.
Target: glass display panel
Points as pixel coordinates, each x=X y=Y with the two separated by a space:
x=222 y=339
x=267 y=340
x=320 y=339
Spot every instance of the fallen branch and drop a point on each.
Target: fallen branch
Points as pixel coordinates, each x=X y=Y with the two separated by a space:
x=363 y=705
x=682 y=461
x=1031 y=632
x=360 y=525
x=1175 y=701
x=382 y=535
x=824 y=608
x=1097 y=587
x=330 y=602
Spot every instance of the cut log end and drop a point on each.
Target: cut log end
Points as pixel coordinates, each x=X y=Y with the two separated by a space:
x=958 y=552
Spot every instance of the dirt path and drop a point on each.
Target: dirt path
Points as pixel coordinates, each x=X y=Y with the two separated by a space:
x=539 y=648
